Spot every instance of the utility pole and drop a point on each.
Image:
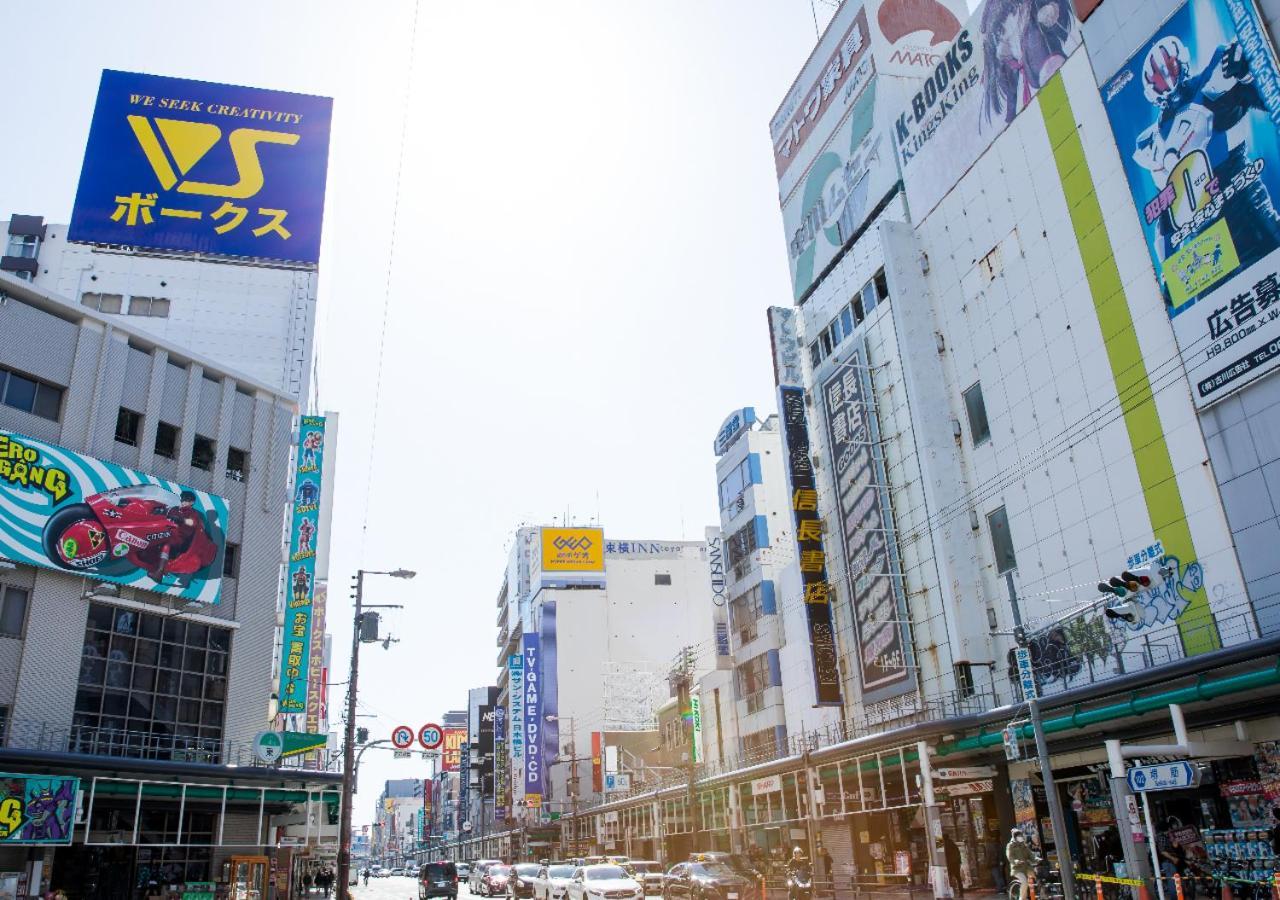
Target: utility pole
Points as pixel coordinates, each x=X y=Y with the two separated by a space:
x=573 y=777
x=1057 y=817
x=349 y=740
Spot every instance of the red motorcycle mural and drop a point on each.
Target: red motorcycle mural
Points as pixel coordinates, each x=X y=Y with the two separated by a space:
x=141 y=527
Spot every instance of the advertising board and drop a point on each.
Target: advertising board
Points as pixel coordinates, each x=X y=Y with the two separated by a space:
x=515 y=680
x=300 y=573
x=572 y=550
x=845 y=184
x=66 y=511
x=175 y=164
x=1195 y=112
x=37 y=809
x=867 y=533
x=1004 y=54
x=810 y=549
x=454 y=739
x=532 y=720
x=910 y=35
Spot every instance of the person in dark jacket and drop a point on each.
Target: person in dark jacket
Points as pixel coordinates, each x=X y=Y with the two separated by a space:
x=952 y=854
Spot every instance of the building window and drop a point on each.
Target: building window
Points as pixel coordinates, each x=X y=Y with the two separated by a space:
x=753 y=676
x=1001 y=541
x=815 y=354
x=237 y=463
x=741 y=544
x=151 y=686
x=29 y=395
x=24 y=246
x=202 y=452
x=734 y=483
x=745 y=612
x=4 y=725
x=661 y=578
x=762 y=741
x=167 y=440
x=13 y=611
x=964 y=679
x=128 y=424
x=155 y=307
x=231 y=561
x=979 y=429
x=103 y=303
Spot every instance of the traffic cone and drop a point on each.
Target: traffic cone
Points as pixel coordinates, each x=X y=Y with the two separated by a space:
x=1143 y=892
x=1097 y=883
x=1226 y=891
x=1177 y=885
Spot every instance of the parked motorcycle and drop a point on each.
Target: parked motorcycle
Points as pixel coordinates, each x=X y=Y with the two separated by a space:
x=800 y=884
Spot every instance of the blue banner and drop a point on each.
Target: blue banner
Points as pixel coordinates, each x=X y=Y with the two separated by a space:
x=64 y=510
x=515 y=676
x=1195 y=113
x=532 y=721
x=550 y=708
x=174 y=164
x=301 y=572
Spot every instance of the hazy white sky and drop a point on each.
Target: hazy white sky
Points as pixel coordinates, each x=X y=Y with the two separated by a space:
x=588 y=238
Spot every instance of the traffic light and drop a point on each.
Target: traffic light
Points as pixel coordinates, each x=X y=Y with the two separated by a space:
x=1132 y=581
x=362 y=735
x=1020 y=635
x=1127 y=610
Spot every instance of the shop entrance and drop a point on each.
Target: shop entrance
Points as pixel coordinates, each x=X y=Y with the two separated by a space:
x=95 y=873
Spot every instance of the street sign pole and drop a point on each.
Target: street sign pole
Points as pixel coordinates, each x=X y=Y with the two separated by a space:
x=1151 y=843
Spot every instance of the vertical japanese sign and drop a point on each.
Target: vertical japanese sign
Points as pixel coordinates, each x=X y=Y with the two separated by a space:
x=1195 y=112
x=597 y=762
x=315 y=664
x=464 y=784
x=813 y=557
x=695 y=711
x=548 y=669
x=36 y=809
x=515 y=690
x=301 y=570
x=532 y=720
x=872 y=572
x=719 y=590
x=174 y=164
x=501 y=781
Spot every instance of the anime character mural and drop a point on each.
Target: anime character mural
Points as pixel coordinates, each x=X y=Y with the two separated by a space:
x=1024 y=43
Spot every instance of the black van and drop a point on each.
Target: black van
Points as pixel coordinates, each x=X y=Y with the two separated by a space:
x=438 y=879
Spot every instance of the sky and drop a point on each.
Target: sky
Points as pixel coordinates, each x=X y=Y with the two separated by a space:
x=551 y=235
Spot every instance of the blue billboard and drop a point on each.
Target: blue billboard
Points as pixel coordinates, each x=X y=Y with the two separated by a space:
x=301 y=571
x=175 y=164
x=1195 y=113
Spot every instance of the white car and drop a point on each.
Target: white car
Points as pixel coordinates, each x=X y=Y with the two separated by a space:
x=552 y=882
x=604 y=882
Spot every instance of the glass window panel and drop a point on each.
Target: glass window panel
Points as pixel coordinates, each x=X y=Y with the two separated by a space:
x=211 y=714
x=115 y=703
x=126 y=621
x=88 y=701
x=121 y=649
x=14 y=612
x=144 y=679
x=100 y=616
x=166 y=709
x=191 y=686
x=175 y=631
x=217 y=663
x=48 y=402
x=215 y=689
x=147 y=652
x=151 y=627
x=976 y=408
x=93 y=671
x=20 y=392
x=1001 y=541
x=219 y=639
x=119 y=674
x=167 y=682
x=170 y=656
x=189 y=712
x=197 y=634
x=194 y=661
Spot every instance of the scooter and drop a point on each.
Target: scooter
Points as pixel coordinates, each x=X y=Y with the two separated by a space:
x=800 y=884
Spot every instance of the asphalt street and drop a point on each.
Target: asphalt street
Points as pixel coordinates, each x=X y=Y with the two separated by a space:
x=394 y=887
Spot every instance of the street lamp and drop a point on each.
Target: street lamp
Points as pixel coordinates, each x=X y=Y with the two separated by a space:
x=349 y=745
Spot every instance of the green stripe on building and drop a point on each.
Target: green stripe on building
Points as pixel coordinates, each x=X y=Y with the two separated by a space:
x=1133 y=385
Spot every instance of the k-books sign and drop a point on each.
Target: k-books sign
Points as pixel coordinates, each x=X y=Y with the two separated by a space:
x=63 y=510
x=1195 y=113
x=1005 y=53
x=188 y=165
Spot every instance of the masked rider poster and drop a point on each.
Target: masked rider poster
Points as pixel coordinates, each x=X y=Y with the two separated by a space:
x=1194 y=112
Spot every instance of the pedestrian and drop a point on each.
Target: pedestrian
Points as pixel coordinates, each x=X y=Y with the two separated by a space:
x=952 y=854
x=306 y=883
x=1275 y=830
x=825 y=866
x=1021 y=861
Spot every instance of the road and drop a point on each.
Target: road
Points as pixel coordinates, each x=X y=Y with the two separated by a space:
x=394 y=887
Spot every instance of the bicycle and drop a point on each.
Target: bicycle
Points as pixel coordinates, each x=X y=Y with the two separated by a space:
x=1043 y=886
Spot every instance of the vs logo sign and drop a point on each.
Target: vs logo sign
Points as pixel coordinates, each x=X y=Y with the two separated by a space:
x=189 y=142
x=187 y=165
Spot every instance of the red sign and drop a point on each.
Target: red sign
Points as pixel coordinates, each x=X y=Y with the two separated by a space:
x=430 y=736
x=454 y=738
x=597 y=764
x=402 y=737
x=1240 y=788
